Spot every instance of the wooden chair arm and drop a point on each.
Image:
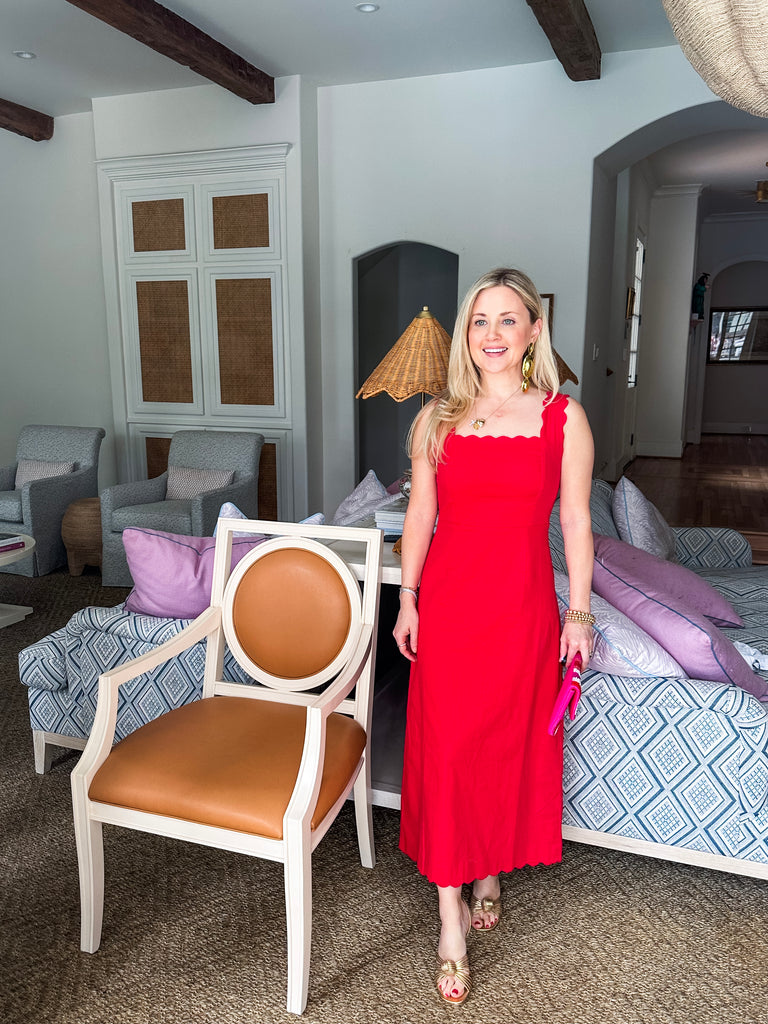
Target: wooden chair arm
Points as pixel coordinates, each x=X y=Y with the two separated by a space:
x=330 y=699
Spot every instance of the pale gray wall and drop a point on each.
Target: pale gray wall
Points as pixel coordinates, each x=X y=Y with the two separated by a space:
x=597 y=386
x=55 y=366
x=310 y=219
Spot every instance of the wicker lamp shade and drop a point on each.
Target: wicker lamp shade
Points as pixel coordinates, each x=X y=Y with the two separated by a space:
x=416 y=364
x=726 y=43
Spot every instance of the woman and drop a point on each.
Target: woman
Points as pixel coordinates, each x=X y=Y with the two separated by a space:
x=482 y=779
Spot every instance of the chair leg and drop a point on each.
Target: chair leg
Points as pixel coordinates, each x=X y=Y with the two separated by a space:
x=43 y=752
x=364 y=816
x=90 y=861
x=298 y=913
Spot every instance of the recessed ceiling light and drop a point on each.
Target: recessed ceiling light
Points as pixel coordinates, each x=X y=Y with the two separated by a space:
x=24 y=54
x=367 y=8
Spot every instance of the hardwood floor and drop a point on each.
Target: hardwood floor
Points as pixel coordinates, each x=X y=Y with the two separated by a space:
x=721 y=482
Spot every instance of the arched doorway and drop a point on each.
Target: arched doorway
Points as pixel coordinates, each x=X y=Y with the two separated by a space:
x=638 y=191
x=392 y=284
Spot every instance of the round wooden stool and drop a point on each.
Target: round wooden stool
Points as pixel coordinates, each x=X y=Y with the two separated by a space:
x=81 y=533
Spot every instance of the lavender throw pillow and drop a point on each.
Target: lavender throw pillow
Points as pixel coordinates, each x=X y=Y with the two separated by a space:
x=172 y=574
x=666 y=580
x=699 y=646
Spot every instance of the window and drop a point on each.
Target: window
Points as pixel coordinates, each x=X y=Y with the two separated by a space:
x=633 y=312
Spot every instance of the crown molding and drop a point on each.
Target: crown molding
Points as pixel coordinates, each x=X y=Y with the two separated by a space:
x=744 y=217
x=670 y=191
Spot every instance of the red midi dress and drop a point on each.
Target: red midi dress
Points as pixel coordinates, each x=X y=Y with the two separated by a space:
x=482 y=778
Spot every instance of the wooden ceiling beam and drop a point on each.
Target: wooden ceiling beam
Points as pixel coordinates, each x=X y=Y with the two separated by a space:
x=169 y=34
x=25 y=121
x=570 y=31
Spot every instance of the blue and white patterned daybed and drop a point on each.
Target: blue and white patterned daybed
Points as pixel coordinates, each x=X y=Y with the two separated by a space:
x=675 y=768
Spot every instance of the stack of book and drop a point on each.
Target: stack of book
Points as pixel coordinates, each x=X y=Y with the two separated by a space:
x=10 y=542
x=391 y=517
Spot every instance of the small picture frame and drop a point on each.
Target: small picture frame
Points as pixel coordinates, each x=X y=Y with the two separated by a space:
x=630 y=310
x=548 y=301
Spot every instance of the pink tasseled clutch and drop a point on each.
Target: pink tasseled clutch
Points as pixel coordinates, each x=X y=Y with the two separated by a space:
x=568 y=696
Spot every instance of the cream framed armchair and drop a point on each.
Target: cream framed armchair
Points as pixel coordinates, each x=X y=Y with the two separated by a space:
x=260 y=769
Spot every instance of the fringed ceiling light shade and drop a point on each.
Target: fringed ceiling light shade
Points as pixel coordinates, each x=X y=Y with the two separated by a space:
x=416 y=364
x=726 y=41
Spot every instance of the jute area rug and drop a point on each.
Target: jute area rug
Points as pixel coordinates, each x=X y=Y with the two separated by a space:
x=197 y=936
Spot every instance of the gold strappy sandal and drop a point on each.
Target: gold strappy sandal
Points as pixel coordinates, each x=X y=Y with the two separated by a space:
x=458 y=969
x=480 y=905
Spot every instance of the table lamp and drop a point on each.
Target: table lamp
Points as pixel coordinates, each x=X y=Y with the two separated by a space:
x=416 y=364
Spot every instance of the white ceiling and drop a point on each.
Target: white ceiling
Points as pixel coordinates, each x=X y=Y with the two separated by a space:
x=331 y=43
x=728 y=163
x=328 y=41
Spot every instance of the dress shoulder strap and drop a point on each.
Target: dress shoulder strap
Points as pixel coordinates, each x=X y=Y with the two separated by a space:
x=554 y=417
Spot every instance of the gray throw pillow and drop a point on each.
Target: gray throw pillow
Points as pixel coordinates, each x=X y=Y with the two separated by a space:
x=369 y=495
x=185 y=482
x=640 y=523
x=38 y=469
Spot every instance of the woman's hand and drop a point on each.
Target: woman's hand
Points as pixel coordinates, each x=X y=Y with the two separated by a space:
x=577 y=637
x=406 y=631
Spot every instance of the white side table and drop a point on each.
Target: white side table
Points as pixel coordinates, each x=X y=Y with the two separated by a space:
x=391 y=688
x=352 y=554
x=10 y=613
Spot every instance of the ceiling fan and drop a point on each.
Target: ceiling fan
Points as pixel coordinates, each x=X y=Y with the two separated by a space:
x=760 y=191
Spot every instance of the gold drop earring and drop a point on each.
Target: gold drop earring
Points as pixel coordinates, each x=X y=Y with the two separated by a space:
x=527 y=368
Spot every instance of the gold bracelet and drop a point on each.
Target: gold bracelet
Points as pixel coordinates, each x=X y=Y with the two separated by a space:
x=572 y=615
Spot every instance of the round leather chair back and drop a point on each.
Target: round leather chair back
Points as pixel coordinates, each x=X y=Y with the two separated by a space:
x=291 y=613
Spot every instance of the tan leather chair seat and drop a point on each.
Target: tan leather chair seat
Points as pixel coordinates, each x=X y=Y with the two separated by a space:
x=231 y=762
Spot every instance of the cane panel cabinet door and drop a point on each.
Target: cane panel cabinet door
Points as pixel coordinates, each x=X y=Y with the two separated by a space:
x=196 y=266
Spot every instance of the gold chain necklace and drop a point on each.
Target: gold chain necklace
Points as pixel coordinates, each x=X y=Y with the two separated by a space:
x=478 y=424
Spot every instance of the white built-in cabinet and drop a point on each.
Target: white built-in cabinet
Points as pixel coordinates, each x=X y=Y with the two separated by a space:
x=197 y=280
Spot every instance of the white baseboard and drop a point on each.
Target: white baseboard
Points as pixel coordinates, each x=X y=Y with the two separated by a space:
x=660 y=449
x=678 y=854
x=385 y=798
x=734 y=428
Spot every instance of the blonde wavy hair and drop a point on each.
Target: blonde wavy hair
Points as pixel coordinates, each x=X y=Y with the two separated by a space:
x=450 y=408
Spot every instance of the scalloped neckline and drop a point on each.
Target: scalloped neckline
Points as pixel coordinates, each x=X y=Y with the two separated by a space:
x=501 y=437
x=512 y=437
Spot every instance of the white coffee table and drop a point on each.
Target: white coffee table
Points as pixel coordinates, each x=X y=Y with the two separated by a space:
x=10 y=613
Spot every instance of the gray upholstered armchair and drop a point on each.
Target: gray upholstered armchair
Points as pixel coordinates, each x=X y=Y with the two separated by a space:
x=205 y=469
x=54 y=467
